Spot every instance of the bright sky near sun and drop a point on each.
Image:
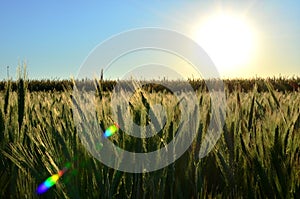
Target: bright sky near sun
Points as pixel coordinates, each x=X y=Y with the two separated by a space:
x=243 y=38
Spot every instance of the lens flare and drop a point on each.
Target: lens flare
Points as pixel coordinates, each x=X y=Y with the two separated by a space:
x=49 y=182
x=42 y=188
x=111 y=130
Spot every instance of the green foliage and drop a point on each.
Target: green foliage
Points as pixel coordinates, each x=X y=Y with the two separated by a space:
x=245 y=85
x=257 y=156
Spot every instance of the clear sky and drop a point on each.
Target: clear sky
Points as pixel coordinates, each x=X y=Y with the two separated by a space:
x=55 y=37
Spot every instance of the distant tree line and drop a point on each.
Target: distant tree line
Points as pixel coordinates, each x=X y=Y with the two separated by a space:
x=244 y=85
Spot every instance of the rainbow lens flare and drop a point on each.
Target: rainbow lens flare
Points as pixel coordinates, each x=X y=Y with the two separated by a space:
x=111 y=130
x=42 y=188
x=49 y=182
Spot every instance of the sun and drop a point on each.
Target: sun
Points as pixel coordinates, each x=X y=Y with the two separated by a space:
x=228 y=40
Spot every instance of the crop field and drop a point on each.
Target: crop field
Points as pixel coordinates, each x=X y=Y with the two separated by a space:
x=257 y=155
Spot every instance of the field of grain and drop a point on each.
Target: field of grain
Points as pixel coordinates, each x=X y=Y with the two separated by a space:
x=257 y=156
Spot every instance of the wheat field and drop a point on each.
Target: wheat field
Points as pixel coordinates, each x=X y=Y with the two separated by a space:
x=257 y=155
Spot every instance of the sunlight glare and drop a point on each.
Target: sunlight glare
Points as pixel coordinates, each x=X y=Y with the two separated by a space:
x=228 y=40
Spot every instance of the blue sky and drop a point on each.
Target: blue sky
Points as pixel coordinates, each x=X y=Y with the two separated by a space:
x=55 y=37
